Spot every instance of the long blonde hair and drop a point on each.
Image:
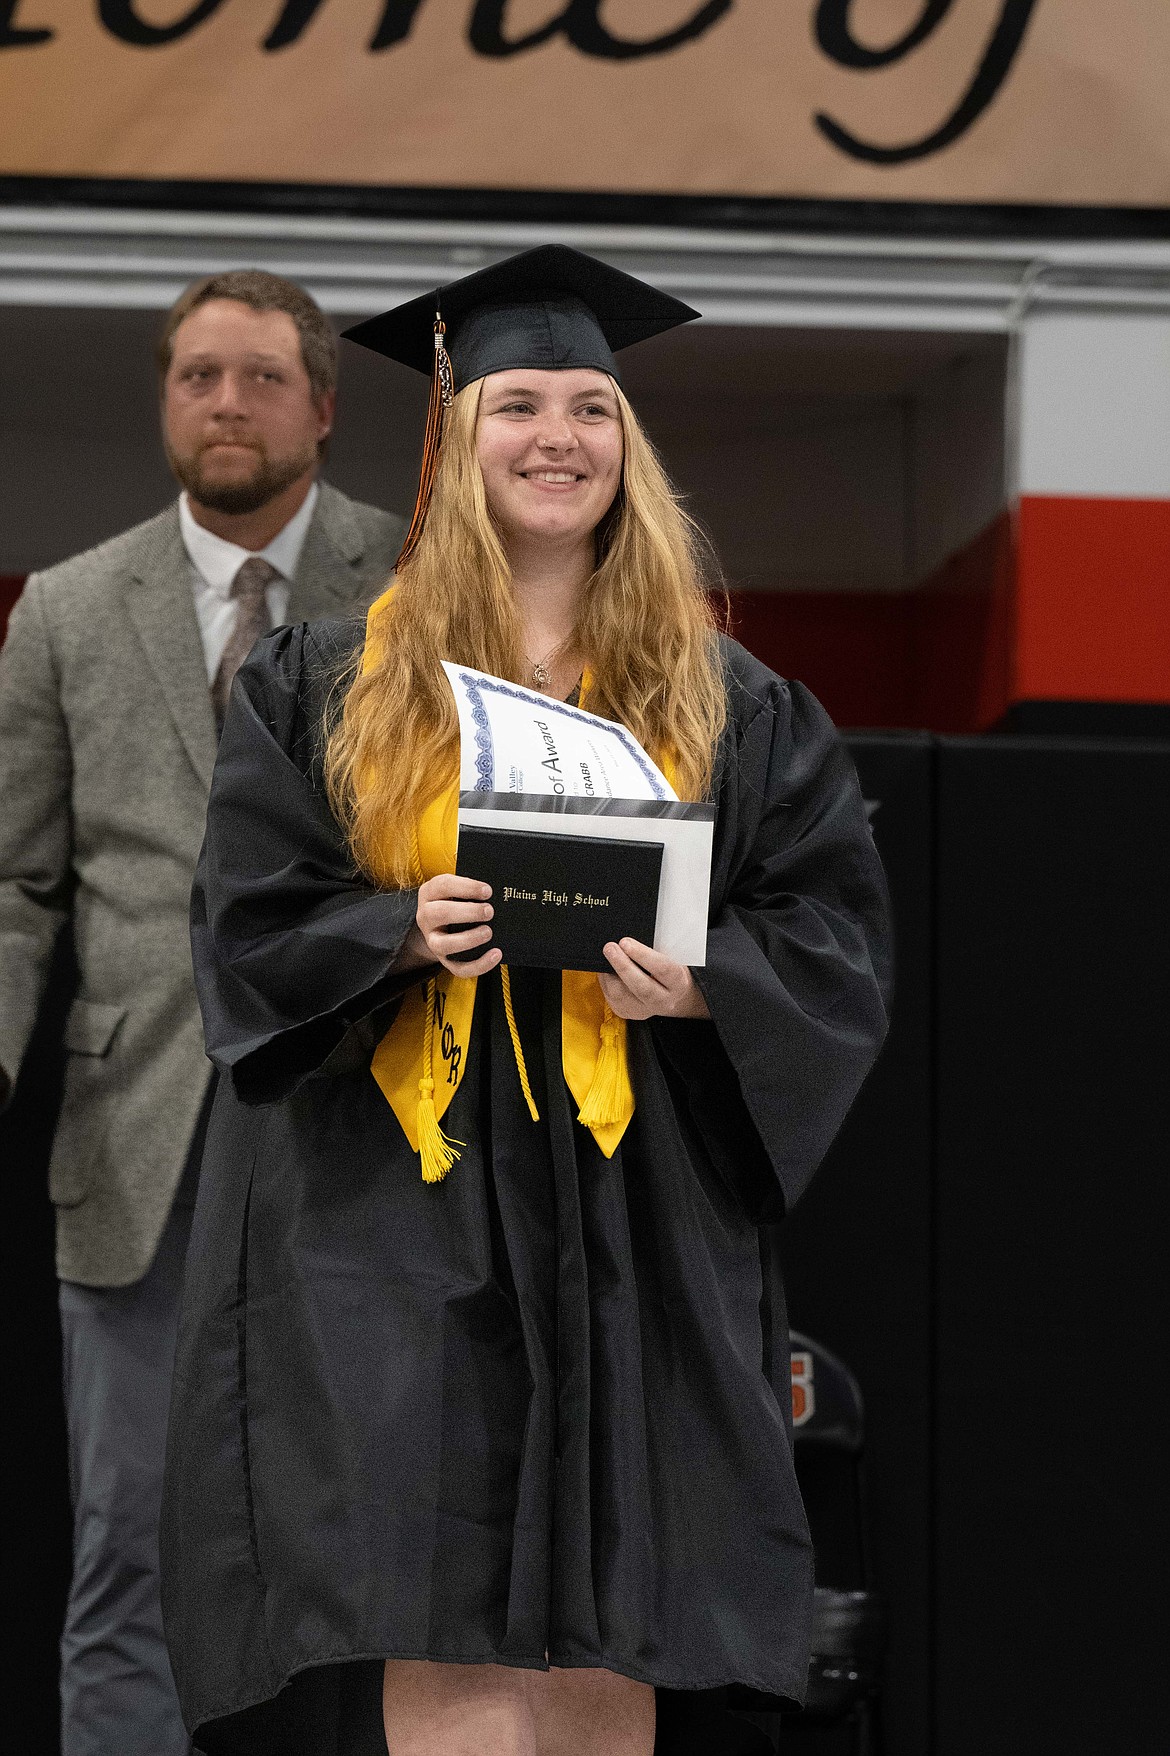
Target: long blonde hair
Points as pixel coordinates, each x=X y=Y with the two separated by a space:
x=646 y=629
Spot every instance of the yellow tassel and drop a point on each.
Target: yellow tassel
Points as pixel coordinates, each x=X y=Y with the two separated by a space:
x=603 y=1099
x=517 y=1047
x=436 y=1151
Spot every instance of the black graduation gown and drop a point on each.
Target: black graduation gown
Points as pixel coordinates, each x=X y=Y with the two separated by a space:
x=538 y=1411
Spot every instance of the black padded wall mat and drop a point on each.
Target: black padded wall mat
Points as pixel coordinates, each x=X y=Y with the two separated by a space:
x=1053 y=1203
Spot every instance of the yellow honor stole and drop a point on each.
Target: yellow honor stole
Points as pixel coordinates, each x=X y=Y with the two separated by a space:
x=420 y=1062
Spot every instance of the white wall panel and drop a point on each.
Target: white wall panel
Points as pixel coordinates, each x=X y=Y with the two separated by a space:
x=1095 y=405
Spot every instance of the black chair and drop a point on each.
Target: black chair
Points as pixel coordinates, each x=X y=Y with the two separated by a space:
x=849 y=1616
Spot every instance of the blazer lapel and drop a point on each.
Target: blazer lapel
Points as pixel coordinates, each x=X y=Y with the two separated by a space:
x=162 y=608
x=325 y=580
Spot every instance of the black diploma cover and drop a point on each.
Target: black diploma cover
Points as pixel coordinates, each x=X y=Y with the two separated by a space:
x=559 y=898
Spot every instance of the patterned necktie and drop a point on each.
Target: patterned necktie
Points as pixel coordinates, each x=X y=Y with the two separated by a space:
x=252 y=620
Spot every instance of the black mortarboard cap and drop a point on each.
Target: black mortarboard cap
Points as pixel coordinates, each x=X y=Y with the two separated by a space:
x=552 y=308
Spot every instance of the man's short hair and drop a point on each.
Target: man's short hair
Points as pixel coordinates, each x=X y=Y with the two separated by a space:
x=262 y=291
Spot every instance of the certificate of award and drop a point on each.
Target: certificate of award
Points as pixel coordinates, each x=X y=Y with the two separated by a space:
x=534 y=766
x=514 y=740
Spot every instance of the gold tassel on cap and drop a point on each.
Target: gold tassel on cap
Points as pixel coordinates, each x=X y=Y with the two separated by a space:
x=440 y=400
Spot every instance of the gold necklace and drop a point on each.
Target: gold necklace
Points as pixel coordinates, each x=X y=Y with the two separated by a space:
x=539 y=668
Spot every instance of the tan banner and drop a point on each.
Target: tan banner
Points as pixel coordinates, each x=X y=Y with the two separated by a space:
x=1052 y=101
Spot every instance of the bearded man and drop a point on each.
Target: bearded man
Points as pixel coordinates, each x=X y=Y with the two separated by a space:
x=113 y=682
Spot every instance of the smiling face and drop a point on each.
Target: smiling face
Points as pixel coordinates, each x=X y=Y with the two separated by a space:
x=549 y=445
x=240 y=419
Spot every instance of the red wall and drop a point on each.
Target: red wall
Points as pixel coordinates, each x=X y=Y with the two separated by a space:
x=1065 y=599
x=10 y=584
x=1093 y=613
x=855 y=650
x=938 y=658
x=929 y=658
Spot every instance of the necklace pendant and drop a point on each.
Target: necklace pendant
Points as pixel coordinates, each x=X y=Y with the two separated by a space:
x=539 y=675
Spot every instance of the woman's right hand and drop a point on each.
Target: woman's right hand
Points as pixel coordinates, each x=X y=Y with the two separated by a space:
x=449 y=902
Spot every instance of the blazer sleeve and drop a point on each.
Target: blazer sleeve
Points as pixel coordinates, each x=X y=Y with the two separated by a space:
x=798 y=957
x=292 y=947
x=36 y=841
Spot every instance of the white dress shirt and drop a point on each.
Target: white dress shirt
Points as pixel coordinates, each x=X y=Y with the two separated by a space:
x=215 y=563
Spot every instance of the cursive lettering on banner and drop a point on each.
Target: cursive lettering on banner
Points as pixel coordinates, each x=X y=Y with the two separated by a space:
x=20 y=36
x=121 y=19
x=580 y=22
x=397 y=21
x=835 y=37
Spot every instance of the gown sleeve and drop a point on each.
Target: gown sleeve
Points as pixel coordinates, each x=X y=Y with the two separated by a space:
x=292 y=947
x=798 y=951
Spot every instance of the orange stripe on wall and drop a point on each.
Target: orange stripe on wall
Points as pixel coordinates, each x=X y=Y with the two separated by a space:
x=1093 y=610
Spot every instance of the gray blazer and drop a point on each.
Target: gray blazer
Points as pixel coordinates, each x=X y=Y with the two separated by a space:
x=107 y=741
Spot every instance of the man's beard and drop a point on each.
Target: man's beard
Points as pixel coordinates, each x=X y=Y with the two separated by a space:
x=271 y=478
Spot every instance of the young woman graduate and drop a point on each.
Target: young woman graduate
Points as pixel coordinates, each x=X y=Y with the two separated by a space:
x=481 y=1410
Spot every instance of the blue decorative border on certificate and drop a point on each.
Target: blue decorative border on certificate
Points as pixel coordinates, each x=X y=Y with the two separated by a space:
x=485 y=761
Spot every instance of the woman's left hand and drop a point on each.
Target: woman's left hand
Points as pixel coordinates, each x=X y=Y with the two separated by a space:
x=646 y=984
